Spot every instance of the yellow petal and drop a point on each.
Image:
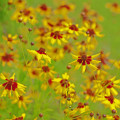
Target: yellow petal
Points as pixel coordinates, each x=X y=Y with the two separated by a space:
x=13 y=76
x=83 y=68
x=2 y=76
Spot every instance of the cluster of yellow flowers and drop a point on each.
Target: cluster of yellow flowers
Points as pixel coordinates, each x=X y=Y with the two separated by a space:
x=58 y=38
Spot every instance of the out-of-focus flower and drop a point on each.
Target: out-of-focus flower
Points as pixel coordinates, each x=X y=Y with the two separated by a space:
x=114 y=7
x=22 y=101
x=25 y=15
x=64 y=9
x=18 y=118
x=10 y=40
x=44 y=9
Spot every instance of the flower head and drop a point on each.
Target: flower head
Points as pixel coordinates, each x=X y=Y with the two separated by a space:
x=11 y=86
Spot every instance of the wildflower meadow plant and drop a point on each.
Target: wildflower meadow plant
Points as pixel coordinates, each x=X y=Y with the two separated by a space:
x=55 y=61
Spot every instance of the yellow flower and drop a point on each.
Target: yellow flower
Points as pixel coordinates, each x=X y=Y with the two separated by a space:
x=63 y=86
x=64 y=9
x=55 y=53
x=10 y=39
x=114 y=7
x=44 y=9
x=90 y=31
x=84 y=59
x=107 y=86
x=40 y=54
x=117 y=64
x=72 y=28
x=11 y=86
x=18 y=118
x=114 y=117
x=46 y=71
x=69 y=98
x=22 y=101
x=8 y=58
x=109 y=101
x=57 y=36
x=34 y=72
x=25 y=15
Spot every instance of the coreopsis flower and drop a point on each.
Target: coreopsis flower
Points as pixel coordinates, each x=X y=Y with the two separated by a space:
x=109 y=101
x=8 y=57
x=114 y=117
x=68 y=48
x=18 y=118
x=10 y=40
x=89 y=92
x=70 y=98
x=117 y=64
x=84 y=45
x=46 y=71
x=11 y=86
x=34 y=72
x=104 y=59
x=57 y=36
x=22 y=101
x=63 y=85
x=84 y=60
x=81 y=108
x=90 y=31
x=55 y=53
x=114 y=7
x=44 y=9
x=64 y=9
x=107 y=86
x=19 y=4
x=40 y=54
x=25 y=15
x=72 y=28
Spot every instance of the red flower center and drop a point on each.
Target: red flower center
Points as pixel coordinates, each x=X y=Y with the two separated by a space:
x=107 y=83
x=90 y=92
x=115 y=5
x=41 y=51
x=80 y=105
x=45 y=69
x=50 y=81
x=56 y=35
x=21 y=98
x=34 y=72
x=10 y=39
x=64 y=6
x=20 y=1
x=91 y=32
x=43 y=7
x=110 y=98
x=65 y=83
x=84 y=59
x=18 y=118
x=73 y=27
x=7 y=57
x=26 y=12
x=83 y=43
x=10 y=85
